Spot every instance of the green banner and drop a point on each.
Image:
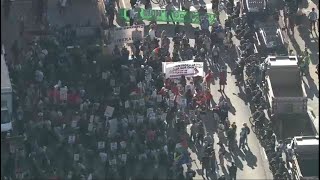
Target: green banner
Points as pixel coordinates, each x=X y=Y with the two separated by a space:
x=161 y=16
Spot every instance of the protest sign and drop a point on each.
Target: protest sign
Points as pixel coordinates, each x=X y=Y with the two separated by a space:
x=123 y=35
x=112 y=82
x=104 y=75
x=90 y=127
x=124 y=157
x=114 y=146
x=191 y=69
x=109 y=111
x=72 y=139
x=103 y=156
x=141 y=102
x=76 y=157
x=74 y=123
x=101 y=145
x=139 y=119
x=126 y=104
x=166 y=63
x=160 y=15
x=64 y=93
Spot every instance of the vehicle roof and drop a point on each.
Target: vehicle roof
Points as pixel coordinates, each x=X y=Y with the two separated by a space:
x=5 y=79
x=307 y=144
x=270 y=33
x=282 y=60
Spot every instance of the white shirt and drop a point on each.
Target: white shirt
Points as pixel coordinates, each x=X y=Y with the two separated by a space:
x=152 y=34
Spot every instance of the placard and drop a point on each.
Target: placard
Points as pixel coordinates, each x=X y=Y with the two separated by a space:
x=154 y=94
x=64 y=93
x=109 y=111
x=126 y=104
x=124 y=157
x=103 y=156
x=132 y=78
x=159 y=98
x=123 y=144
x=152 y=116
x=114 y=146
x=116 y=90
x=104 y=75
x=91 y=118
x=90 y=127
x=113 y=161
x=163 y=116
x=76 y=157
x=74 y=123
x=72 y=139
x=149 y=110
x=112 y=82
x=131 y=118
x=101 y=144
x=139 y=119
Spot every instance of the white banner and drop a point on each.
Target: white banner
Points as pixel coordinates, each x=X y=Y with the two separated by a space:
x=188 y=69
x=127 y=34
x=164 y=64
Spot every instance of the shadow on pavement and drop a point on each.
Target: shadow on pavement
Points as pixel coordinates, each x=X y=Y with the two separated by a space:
x=250 y=158
x=311 y=87
x=305 y=35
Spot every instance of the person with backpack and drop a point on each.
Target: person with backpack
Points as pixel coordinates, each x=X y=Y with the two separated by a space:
x=243 y=135
x=247 y=129
x=233 y=171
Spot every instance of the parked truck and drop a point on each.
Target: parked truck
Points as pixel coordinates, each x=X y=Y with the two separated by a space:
x=284 y=88
x=304 y=163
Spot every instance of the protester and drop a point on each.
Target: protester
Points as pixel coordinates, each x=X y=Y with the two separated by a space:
x=313 y=18
x=222 y=79
x=233 y=171
x=169 y=10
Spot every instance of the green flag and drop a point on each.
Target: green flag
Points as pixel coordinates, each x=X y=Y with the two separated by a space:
x=161 y=16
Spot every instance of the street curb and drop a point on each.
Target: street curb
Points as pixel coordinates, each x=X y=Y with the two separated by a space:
x=265 y=163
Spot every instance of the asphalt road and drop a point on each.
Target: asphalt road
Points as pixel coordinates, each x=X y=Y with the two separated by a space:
x=251 y=162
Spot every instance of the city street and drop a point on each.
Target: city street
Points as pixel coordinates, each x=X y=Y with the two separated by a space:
x=252 y=163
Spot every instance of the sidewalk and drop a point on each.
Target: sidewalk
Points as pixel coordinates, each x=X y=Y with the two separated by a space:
x=79 y=12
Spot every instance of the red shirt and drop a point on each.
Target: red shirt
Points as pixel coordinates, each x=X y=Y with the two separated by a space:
x=209 y=77
x=208 y=96
x=175 y=90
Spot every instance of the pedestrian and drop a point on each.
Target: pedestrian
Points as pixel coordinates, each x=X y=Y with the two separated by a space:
x=200 y=134
x=193 y=133
x=247 y=129
x=131 y=15
x=222 y=152
x=233 y=171
x=205 y=24
x=215 y=53
x=243 y=135
x=21 y=26
x=208 y=97
x=209 y=79
x=63 y=4
x=313 y=17
x=205 y=161
x=169 y=10
x=111 y=13
x=222 y=79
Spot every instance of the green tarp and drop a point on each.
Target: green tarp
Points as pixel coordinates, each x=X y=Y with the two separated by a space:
x=161 y=16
